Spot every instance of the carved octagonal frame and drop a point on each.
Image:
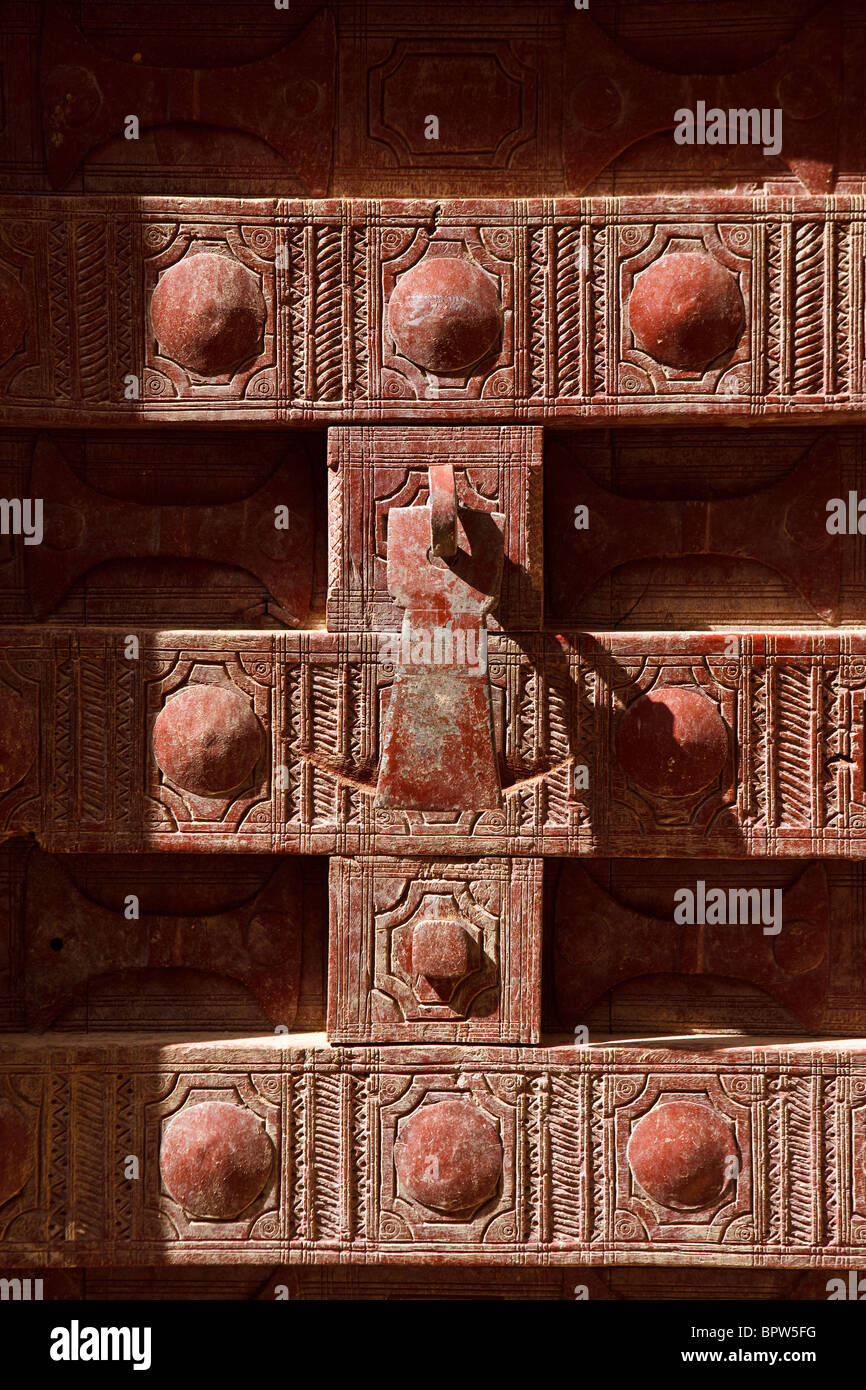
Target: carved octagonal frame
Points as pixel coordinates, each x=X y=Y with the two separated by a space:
x=719 y=685
x=251 y=245
x=639 y=1216
x=161 y=1214
x=376 y=902
x=402 y=1221
x=492 y=250
x=172 y=806
x=730 y=245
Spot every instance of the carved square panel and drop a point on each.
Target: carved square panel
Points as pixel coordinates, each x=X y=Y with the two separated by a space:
x=371 y=470
x=410 y=111
x=209 y=740
x=448 y=313
x=436 y=950
x=13 y=858
x=684 y=1155
x=32 y=260
x=707 y=265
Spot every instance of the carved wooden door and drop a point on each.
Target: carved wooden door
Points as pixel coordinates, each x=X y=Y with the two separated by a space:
x=432 y=665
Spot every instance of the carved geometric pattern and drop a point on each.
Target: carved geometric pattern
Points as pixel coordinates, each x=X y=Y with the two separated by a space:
x=676 y=681
x=579 y=760
x=561 y=272
x=775 y=1171
x=451 y=951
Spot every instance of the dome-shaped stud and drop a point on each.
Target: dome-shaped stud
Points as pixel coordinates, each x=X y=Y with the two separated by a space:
x=207 y=740
x=683 y=1155
x=672 y=741
x=215 y=1159
x=208 y=313
x=442 y=955
x=448 y=1156
x=685 y=309
x=445 y=314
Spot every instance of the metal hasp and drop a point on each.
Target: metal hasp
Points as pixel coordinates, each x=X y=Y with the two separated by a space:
x=445 y=570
